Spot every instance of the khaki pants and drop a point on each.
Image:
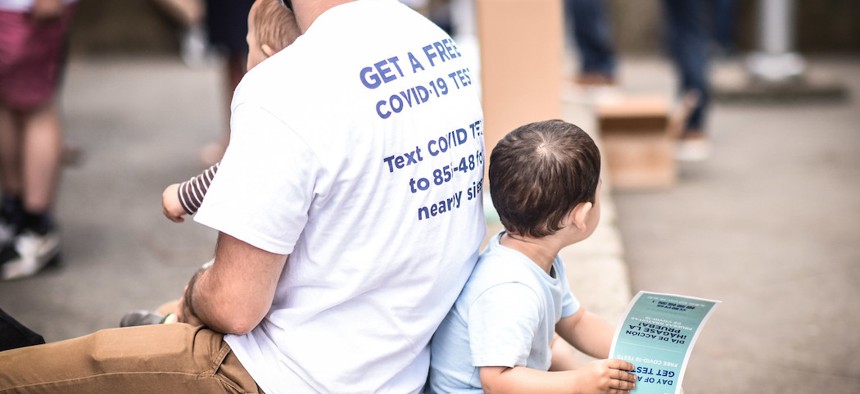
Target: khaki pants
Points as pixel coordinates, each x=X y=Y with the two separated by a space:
x=166 y=358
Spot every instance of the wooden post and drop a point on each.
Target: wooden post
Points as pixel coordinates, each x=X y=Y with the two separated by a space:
x=521 y=46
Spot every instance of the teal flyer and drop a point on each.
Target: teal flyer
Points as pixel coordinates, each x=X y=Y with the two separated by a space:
x=657 y=336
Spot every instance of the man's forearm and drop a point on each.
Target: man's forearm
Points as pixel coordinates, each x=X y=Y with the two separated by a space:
x=201 y=308
x=593 y=336
x=236 y=293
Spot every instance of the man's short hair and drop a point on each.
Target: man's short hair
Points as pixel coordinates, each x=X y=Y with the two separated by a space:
x=276 y=25
x=539 y=172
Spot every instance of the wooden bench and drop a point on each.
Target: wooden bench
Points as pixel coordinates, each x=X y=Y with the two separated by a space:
x=638 y=142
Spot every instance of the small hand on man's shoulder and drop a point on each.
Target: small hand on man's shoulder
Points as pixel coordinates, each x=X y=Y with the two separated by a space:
x=170 y=204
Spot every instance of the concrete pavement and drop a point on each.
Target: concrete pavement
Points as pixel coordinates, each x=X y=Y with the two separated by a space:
x=769 y=225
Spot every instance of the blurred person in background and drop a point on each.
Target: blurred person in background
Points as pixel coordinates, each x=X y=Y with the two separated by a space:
x=33 y=35
x=227 y=26
x=687 y=39
x=593 y=39
x=724 y=28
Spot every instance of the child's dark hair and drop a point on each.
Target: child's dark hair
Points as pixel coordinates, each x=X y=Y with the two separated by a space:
x=539 y=172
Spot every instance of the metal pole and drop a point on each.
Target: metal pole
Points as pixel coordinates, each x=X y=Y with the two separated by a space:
x=775 y=61
x=775 y=30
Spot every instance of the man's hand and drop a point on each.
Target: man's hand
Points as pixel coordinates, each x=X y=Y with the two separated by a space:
x=46 y=10
x=170 y=204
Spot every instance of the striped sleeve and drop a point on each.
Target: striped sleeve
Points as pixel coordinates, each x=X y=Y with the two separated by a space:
x=192 y=191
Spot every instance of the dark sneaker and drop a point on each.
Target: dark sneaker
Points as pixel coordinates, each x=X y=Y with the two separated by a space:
x=11 y=212
x=28 y=253
x=7 y=231
x=140 y=318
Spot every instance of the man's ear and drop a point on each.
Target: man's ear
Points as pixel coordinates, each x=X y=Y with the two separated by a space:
x=578 y=216
x=267 y=50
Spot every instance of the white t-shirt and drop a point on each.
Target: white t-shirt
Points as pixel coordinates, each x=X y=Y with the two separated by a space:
x=358 y=151
x=22 y=5
x=505 y=316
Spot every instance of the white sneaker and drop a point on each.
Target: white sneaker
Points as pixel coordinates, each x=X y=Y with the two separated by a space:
x=28 y=254
x=697 y=149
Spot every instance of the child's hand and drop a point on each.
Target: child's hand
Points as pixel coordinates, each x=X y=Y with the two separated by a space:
x=607 y=376
x=184 y=314
x=170 y=204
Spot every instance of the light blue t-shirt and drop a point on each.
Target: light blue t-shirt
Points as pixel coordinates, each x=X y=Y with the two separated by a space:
x=505 y=316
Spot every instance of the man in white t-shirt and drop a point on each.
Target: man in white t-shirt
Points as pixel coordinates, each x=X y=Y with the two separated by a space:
x=349 y=209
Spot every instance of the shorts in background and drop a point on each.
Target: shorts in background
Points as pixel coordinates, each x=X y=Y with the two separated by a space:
x=32 y=56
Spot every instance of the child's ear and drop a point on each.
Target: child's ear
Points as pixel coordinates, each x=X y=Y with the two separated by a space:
x=267 y=50
x=579 y=215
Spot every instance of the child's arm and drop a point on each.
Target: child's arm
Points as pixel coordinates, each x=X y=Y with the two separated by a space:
x=178 y=200
x=564 y=356
x=587 y=332
x=170 y=205
x=601 y=376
